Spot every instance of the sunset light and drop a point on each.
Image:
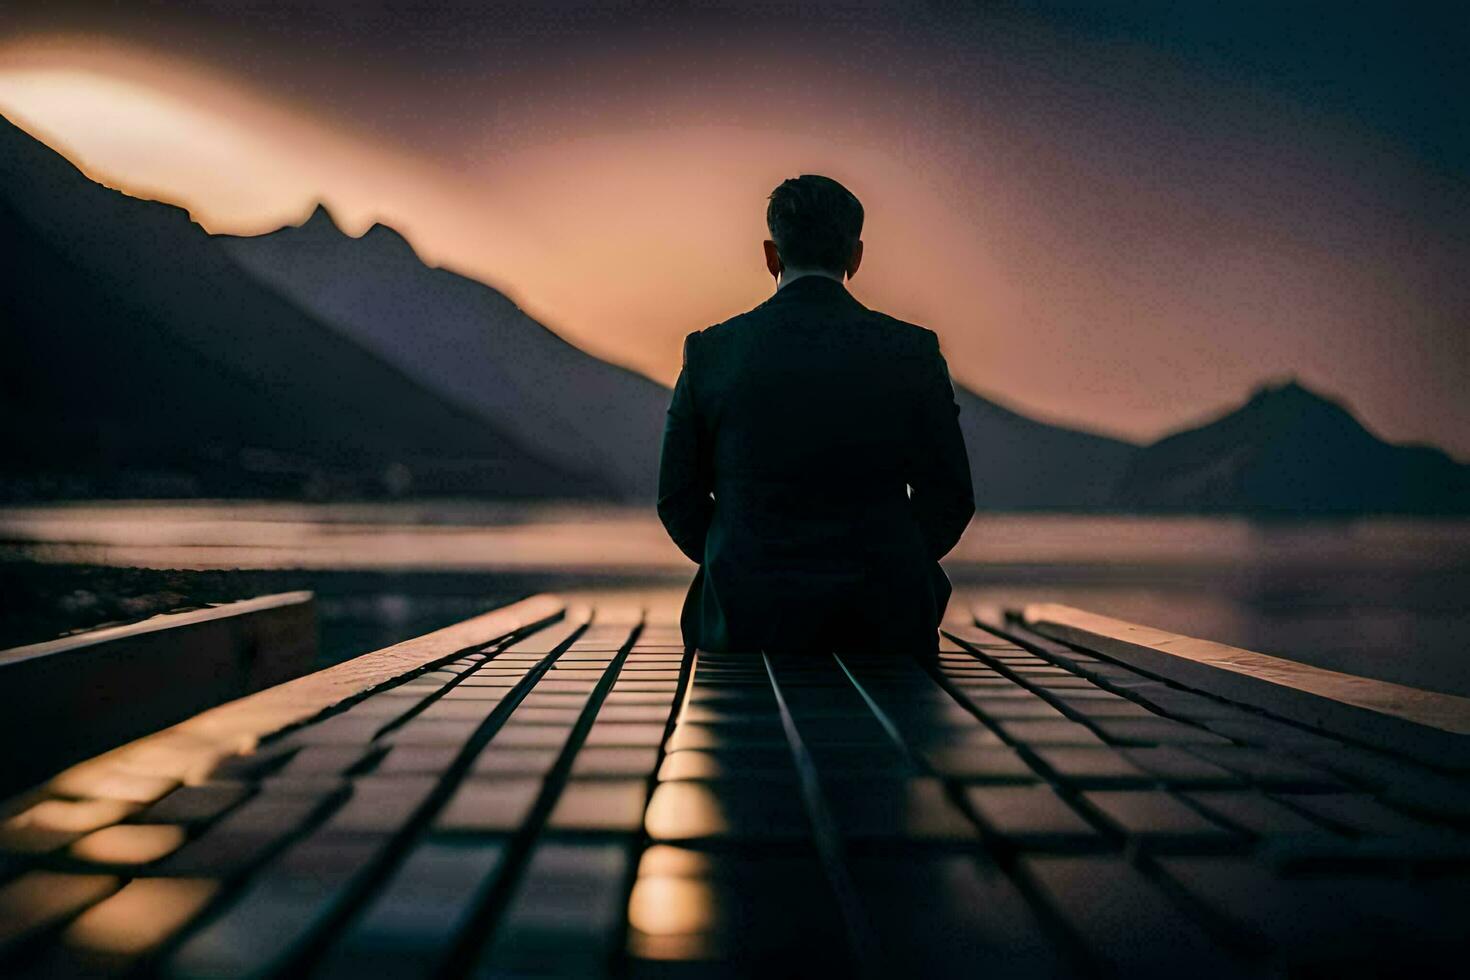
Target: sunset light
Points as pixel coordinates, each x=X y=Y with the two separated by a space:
x=1062 y=278
x=622 y=491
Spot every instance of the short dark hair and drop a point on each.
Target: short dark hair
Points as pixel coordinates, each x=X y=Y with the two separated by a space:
x=815 y=222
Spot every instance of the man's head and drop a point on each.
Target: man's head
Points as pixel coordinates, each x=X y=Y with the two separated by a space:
x=816 y=225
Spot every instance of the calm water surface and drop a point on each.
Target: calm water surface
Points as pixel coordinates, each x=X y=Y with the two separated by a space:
x=1384 y=598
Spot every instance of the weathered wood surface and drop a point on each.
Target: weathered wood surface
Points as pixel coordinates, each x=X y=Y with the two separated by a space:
x=196 y=744
x=569 y=792
x=1428 y=725
x=104 y=687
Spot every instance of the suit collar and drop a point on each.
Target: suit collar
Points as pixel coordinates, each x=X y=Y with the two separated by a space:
x=813 y=288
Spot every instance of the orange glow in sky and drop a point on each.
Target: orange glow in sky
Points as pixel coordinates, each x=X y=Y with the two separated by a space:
x=1061 y=281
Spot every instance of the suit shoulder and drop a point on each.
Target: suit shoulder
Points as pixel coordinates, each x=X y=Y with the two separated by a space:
x=705 y=338
x=921 y=338
x=697 y=337
x=716 y=332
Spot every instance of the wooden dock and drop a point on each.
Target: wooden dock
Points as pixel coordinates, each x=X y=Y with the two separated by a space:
x=559 y=788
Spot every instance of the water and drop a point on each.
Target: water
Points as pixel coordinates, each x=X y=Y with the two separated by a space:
x=1379 y=597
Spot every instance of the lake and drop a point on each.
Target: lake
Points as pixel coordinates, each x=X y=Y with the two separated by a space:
x=1380 y=597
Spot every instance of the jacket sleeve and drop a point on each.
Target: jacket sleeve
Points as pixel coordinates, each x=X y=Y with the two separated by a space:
x=942 y=497
x=685 y=478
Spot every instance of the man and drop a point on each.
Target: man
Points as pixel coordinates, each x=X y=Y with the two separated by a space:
x=812 y=459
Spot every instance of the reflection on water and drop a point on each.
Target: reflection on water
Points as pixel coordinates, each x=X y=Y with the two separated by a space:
x=591 y=539
x=345 y=537
x=1381 y=597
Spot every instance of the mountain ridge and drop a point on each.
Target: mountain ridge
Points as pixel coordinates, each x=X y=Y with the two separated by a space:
x=470 y=343
x=136 y=346
x=306 y=361
x=1288 y=449
x=1041 y=465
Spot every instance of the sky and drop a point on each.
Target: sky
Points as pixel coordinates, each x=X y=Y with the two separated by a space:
x=1123 y=217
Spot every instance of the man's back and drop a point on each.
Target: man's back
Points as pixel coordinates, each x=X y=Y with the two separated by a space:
x=807 y=419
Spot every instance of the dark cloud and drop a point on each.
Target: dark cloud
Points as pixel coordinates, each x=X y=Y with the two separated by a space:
x=1390 y=67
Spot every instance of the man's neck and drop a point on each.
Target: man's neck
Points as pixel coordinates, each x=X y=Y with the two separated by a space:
x=790 y=275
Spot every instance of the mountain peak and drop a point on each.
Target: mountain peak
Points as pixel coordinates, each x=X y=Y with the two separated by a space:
x=1290 y=449
x=384 y=232
x=320 y=220
x=1289 y=396
x=1284 y=410
x=387 y=240
x=1287 y=386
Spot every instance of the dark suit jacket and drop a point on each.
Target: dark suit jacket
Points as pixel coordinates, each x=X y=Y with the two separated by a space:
x=793 y=435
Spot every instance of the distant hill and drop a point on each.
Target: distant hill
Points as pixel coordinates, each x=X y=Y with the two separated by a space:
x=137 y=358
x=1289 y=450
x=1018 y=463
x=470 y=344
x=141 y=356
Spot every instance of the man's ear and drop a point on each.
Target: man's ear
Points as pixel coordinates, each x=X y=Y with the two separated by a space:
x=773 y=258
x=856 y=259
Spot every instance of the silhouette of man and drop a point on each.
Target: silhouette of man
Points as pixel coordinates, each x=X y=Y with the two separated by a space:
x=812 y=460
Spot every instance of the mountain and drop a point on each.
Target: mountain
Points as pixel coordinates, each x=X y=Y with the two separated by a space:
x=138 y=358
x=1290 y=450
x=470 y=344
x=144 y=357
x=1018 y=463
x=141 y=356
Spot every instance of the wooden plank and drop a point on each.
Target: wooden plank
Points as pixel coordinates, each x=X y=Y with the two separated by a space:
x=1429 y=726
x=102 y=688
x=192 y=747
x=153 y=624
